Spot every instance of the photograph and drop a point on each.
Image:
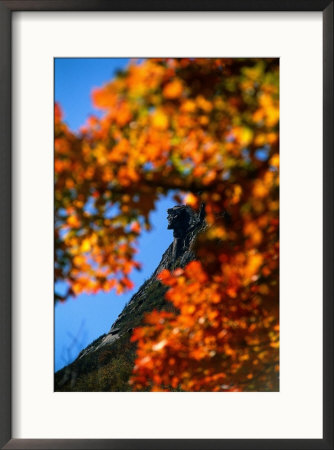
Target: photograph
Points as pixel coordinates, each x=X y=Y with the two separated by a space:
x=166 y=224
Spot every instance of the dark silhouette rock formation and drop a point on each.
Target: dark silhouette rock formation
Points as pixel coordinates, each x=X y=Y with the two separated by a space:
x=108 y=349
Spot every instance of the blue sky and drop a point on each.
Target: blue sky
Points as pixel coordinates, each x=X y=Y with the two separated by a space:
x=81 y=320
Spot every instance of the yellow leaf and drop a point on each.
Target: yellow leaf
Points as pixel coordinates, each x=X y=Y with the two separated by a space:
x=160 y=120
x=274 y=160
x=85 y=246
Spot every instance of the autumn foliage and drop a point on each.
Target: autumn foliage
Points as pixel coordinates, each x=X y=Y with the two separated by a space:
x=207 y=129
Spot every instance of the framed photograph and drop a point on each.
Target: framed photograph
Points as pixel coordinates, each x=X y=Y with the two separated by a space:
x=167 y=225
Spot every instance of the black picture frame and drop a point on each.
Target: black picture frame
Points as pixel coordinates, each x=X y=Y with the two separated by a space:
x=7 y=7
